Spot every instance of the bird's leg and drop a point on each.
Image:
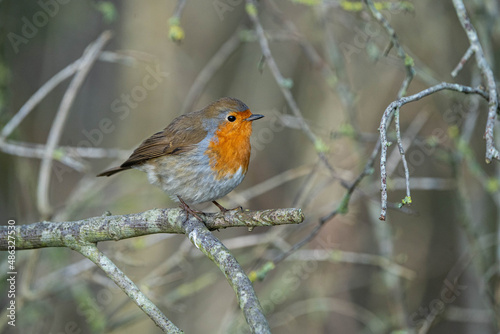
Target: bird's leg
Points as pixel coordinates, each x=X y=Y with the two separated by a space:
x=224 y=210
x=186 y=208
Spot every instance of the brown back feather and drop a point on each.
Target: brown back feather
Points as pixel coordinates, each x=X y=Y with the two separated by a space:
x=180 y=136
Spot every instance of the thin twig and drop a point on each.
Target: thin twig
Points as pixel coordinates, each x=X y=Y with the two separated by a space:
x=463 y=60
x=38 y=152
x=242 y=197
x=407 y=61
x=341 y=256
x=407 y=199
x=334 y=75
x=407 y=140
x=425 y=183
x=179 y=8
x=88 y=59
x=68 y=155
x=282 y=82
x=341 y=207
x=213 y=65
x=371 y=321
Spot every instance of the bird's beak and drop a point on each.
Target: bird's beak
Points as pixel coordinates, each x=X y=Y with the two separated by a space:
x=254 y=117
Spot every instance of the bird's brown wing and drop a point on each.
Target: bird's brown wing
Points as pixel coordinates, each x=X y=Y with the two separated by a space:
x=180 y=136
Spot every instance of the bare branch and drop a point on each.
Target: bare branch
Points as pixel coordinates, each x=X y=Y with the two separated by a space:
x=463 y=60
x=283 y=82
x=68 y=155
x=407 y=140
x=407 y=199
x=407 y=60
x=213 y=65
x=341 y=256
x=341 y=207
x=82 y=236
x=396 y=105
x=88 y=59
x=106 y=228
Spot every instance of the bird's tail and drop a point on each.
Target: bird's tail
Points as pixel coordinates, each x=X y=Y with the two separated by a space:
x=112 y=171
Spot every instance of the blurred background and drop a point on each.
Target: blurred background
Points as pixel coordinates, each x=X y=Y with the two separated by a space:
x=432 y=267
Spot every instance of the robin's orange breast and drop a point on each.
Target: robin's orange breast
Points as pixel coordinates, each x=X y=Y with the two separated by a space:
x=229 y=149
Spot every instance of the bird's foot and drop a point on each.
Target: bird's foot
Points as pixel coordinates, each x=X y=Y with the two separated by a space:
x=224 y=210
x=188 y=210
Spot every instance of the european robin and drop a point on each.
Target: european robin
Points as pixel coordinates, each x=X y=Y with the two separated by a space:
x=201 y=156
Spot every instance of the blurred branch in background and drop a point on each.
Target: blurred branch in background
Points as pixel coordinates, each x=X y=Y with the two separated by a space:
x=46 y=88
x=69 y=156
x=283 y=83
x=88 y=59
x=211 y=67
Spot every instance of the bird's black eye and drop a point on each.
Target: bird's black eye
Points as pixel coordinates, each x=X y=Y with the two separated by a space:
x=231 y=118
